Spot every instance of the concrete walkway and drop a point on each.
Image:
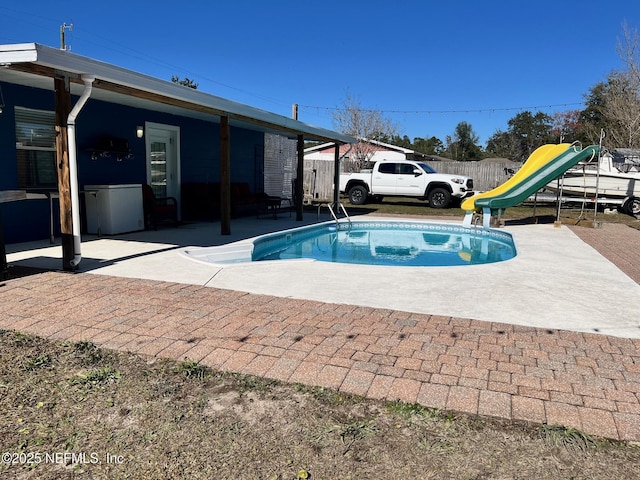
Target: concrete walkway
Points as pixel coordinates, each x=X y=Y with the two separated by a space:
x=582 y=380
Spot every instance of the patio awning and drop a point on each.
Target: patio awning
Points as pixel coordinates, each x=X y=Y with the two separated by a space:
x=34 y=65
x=66 y=74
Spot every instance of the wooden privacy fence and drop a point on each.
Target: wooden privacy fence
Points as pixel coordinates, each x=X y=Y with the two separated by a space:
x=487 y=174
x=318 y=180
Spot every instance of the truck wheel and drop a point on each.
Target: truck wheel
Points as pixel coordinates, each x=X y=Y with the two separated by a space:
x=632 y=206
x=357 y=195
x=439 y=198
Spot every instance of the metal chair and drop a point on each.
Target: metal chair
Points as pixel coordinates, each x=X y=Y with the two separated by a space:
x=158 y=209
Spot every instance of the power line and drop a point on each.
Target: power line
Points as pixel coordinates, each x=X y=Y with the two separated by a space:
x=442 y=112
x=113 y=46
x=136 y=54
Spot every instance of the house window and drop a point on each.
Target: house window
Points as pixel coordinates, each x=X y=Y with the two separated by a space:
x=36 y=148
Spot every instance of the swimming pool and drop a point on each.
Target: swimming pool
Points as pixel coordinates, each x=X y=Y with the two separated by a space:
x=397 y=243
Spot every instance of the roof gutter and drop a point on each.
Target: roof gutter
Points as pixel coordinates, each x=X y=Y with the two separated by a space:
x=73 y=168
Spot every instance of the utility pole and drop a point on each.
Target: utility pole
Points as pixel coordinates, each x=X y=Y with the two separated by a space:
x=63 y=27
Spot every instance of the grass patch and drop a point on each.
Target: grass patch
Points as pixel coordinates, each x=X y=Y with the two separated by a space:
x=326 y=396
x=96 y=376
x=411 y=410
x=523 y=213
x=22 y=340
x=87 y=351
x=251 y=383
x=191 y=369
x=39 y=361
x=569 y=438
x=175 y=420
x=354 y=431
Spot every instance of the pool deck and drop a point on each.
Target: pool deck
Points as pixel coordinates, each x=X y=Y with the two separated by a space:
x=551 y=336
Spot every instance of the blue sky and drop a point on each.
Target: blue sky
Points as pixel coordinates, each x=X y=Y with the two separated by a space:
x=426 y=65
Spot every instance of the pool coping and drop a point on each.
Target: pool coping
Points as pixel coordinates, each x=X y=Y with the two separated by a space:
x=240 y=252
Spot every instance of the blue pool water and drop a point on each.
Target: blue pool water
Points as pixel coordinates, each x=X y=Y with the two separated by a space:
x=388 y=243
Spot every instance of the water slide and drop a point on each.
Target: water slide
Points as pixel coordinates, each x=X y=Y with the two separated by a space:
x=543 y=166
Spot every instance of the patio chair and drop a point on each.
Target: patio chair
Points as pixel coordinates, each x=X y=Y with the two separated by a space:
x=158 y=209
x=271 y=205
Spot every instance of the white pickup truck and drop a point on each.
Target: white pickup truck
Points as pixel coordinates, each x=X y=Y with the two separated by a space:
x=405 y=178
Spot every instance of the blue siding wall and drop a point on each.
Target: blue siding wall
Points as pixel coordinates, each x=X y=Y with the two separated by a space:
x=27 y=219
x=199 y=154
x=96 y=121
x=246 y=162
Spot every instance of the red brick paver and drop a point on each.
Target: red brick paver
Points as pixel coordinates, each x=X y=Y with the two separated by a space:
x=580 y=380
x=618 y=242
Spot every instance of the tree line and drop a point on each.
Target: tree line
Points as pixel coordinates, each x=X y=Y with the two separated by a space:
x=612 y=106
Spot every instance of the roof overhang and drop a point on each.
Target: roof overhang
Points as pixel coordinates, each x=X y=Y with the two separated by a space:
x=374 y=143
x=34 y=65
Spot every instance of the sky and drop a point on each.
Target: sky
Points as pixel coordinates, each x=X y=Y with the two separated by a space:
x=425 y=65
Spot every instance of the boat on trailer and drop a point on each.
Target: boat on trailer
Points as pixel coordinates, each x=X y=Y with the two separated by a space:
x=613 y=179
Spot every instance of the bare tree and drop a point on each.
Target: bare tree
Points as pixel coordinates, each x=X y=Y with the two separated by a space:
x=567 y=127
x=350 y=118
x=622 y=103
x=622 y=108
x=628 y=50
x=504 y=145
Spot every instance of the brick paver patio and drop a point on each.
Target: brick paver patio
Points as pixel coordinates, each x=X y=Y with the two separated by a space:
x=586 y=381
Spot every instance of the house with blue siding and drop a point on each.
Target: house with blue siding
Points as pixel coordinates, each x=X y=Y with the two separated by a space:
x=72 y=127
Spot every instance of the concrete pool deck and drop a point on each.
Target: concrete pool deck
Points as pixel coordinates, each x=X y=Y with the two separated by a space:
x=512 y=340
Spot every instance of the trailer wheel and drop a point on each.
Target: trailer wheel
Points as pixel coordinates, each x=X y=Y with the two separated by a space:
x=632 y=206
x=357 y=195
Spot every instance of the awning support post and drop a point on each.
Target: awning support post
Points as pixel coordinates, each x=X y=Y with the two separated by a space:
x=336 y=177
x=225 y=177
x=63 y=108
x=299 y=186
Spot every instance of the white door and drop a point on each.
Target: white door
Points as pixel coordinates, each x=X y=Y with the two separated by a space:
x=163 y=162
x=407 y=182
x=384 y=179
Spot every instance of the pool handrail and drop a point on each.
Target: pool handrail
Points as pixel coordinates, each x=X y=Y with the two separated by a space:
x=335 y=218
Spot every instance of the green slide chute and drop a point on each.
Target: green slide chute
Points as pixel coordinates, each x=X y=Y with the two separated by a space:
x=543 y=166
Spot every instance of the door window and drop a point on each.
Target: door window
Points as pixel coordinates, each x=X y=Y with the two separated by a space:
x=406 y=169
x=389 y=168
x=159 y=168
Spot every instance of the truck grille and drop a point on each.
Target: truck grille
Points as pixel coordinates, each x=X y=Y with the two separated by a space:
x=470 y=184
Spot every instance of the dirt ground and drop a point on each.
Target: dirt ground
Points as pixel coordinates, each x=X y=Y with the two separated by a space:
x=72 y=410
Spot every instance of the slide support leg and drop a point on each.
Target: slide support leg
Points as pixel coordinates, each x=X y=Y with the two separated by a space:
x=486 y=218
x=468 y=218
